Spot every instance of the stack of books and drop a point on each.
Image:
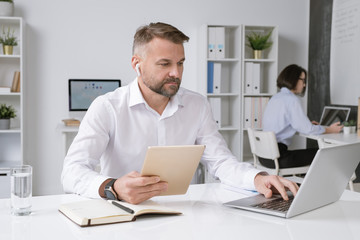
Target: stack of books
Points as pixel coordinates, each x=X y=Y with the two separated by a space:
x=71 y=122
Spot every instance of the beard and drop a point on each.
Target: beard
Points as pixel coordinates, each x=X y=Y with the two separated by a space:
x=162 y=90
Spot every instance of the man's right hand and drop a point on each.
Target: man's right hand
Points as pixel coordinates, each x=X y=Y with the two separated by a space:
x=134 y=189
x=334 y=128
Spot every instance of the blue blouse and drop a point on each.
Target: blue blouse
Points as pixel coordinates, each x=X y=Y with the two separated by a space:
x=285 y=116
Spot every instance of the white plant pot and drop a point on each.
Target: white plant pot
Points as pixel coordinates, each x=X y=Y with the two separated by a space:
x=347 y=130
x=4 y=124
x=6 y=9
x=353 y=129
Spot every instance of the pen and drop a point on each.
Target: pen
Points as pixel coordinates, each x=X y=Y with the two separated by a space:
x=123 y=207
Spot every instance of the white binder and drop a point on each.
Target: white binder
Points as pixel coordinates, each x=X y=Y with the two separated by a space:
x=248 y=77
x=211 y=42
x=220 y=42
x=256 y=78
x=217 y=78
x=215 y=104
x=254 y=112
x=247 y=112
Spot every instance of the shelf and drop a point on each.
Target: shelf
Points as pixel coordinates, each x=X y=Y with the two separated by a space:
x=230 y=96
x=10 y=94
x=11 y=140
x=9 y=164
x=222 y=95
x=258 y=95
x=9 y=56
x=13 y=130
x=223 y=60
x=258 y=82
x=259 y=60
x=229 y=128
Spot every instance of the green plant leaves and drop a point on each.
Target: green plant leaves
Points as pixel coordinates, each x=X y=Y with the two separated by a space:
x=8 y=38
x=7 y=112
x=258 y=41
x=350 y=123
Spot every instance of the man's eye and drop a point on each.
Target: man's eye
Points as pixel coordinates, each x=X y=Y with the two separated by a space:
x=164 y=64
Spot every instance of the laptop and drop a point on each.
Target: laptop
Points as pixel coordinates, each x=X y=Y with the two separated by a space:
x=323 y=184
x=175 y=165
x=331 y=115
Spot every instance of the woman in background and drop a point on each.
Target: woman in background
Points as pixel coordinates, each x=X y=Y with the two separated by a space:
x=284 y=116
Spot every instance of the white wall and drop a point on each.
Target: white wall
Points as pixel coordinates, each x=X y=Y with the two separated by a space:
x=93 y=38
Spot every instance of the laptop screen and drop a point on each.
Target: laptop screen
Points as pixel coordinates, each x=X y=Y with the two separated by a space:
x=331 y=115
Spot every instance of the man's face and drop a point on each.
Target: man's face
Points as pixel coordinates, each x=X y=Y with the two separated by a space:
x=162 y=67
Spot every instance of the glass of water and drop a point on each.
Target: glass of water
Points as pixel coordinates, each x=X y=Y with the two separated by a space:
x=21 y=190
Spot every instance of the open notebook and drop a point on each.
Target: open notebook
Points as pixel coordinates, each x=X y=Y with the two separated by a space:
x=323 y=184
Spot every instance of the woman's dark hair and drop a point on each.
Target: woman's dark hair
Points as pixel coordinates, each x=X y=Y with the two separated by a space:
x=290 y=76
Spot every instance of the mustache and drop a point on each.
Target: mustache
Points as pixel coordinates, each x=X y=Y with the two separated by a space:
x=173 y=80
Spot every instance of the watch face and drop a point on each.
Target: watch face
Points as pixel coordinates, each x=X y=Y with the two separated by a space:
x=109 y=191
x=110 y=195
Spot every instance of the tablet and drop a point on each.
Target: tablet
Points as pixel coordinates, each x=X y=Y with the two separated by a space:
x=175 y=165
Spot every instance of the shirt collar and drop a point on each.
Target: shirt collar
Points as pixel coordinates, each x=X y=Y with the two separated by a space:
x=285 y=90
x=135 y=94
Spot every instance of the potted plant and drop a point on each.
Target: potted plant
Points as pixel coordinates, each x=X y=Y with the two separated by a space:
x=349 y=127
x=258 y=42
x=8 y=40
x=6 y=113
x=6 y=8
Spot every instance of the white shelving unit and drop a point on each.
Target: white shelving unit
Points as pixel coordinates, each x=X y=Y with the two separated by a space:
x=11 y=141
x=228 y=97
x=253 y=102
x=233 y=95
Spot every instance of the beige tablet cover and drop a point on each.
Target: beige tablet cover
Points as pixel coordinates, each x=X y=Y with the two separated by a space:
x=174 y=164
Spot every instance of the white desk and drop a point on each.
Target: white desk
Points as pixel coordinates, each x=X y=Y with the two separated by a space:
x=204 y=217
x=335 y=138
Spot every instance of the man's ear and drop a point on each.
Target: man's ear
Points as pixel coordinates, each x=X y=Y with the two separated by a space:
x=135 y=63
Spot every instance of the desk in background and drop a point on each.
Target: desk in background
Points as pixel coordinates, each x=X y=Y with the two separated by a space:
x=204 y=217
x=335 y=138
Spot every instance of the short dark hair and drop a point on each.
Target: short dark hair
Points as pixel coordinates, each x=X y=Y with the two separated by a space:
x=146 y=33
x=290 y=76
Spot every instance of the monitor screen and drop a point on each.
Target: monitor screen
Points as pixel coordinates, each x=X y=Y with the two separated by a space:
x=331 y=115
x=83 y=91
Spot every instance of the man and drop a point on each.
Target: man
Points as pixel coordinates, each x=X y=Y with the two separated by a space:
x=152 y=110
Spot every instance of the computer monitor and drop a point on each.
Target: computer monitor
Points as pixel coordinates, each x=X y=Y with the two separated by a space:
x=331 y=115
x=83 y=91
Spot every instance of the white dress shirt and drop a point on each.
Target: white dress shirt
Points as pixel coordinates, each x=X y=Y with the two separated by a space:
x=120 y=125
x=285 y=116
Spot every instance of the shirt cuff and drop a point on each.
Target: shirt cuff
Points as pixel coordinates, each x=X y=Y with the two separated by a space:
x=93 y=189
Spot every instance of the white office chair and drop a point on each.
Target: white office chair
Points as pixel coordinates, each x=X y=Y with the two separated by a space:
x=263 y=144
x=324 y=144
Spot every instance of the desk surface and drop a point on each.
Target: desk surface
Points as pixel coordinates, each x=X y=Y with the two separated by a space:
x=336 y=138
x=204 y=217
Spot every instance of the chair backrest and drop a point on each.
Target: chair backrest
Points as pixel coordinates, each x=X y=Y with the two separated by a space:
x=263 y=144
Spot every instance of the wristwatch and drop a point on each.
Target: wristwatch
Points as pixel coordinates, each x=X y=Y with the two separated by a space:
x=109 y=190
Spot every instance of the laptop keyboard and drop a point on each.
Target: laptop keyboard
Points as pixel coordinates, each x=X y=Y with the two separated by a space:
x=278 y=204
